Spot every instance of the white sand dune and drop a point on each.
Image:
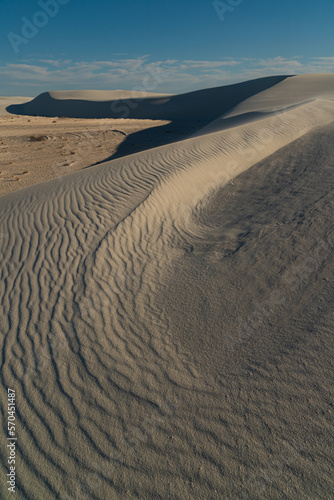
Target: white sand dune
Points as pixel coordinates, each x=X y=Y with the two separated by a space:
x=126 y=296
x=101 y=95
x=6 y=101
x=202 y=105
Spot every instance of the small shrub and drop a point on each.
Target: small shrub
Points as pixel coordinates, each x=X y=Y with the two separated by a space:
x=37 y=138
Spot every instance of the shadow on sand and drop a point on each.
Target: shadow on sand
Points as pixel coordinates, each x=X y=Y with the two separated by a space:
x=188 y=113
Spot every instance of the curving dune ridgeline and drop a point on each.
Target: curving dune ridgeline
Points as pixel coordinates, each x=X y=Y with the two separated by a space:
x=128 y=300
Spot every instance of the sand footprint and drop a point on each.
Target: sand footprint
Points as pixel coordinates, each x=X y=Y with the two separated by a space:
x=6 y=176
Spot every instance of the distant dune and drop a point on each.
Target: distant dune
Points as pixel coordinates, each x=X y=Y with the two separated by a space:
x=202 y=105
x=5 y=102
x=167 y=317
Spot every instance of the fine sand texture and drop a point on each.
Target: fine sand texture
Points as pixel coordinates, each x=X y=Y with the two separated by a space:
x=167 y=316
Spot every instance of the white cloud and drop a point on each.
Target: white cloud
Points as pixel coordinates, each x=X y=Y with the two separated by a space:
x=324 y=59
x=56 y=63
x=279 y=61
x=173 y=76
x=209 y=64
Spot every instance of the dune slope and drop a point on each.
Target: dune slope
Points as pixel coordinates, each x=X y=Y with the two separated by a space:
x=166 y=321
x=203 y=105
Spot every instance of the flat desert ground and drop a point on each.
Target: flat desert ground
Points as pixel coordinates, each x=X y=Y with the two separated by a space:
x=167 y=292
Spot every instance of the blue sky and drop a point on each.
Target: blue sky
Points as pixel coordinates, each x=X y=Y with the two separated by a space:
x=159 y=46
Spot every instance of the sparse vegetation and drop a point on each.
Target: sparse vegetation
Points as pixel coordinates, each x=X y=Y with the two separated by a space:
x=37 y=138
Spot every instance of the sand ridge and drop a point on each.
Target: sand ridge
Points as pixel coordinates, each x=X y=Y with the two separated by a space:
x=123 y=390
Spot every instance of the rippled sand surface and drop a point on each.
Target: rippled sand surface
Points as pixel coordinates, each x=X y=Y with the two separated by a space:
x=166 y=316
